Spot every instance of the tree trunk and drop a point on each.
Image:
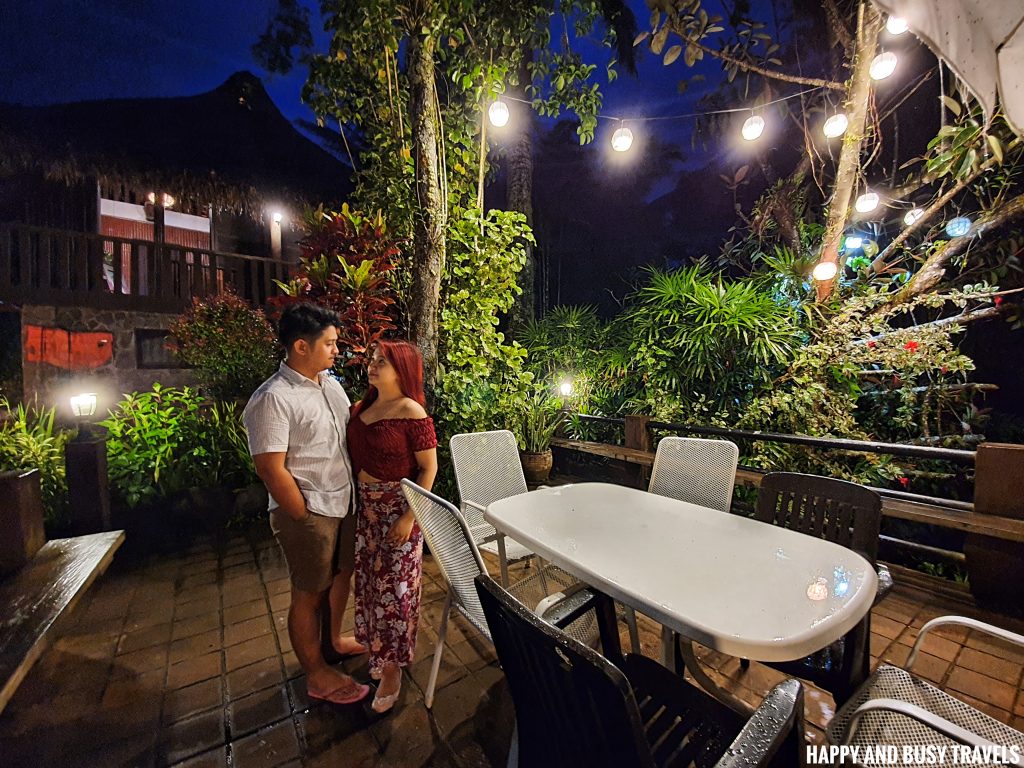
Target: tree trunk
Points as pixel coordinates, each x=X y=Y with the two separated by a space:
x=430 y=220
x=868 y=27
x=520 y=198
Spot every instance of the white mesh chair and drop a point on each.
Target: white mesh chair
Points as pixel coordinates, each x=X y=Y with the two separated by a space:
x=451 y=542
x=696 y=470
x=487 y=469
x=894 y=709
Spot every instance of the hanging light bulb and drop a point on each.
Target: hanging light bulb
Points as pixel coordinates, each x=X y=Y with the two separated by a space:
x=753 y=127
x=883 y=65
x=866 y=202
x=895 y=25
x=958 y=227
x=912 y=216
x=497 y=113
x=835 y=125
x=824 y=270
x=622 y=139
x=853 y=242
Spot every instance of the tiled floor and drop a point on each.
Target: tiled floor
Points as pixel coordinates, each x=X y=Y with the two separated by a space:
x=186 y=660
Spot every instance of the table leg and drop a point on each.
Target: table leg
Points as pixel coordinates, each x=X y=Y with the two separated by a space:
x=684 y=653
x=608 y=627
x=502 y=560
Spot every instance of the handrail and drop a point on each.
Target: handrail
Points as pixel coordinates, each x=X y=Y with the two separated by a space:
x=864 y=446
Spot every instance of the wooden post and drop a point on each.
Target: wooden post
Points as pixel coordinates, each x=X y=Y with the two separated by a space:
x=21 y=518
x=995 y=567
x=638 y=436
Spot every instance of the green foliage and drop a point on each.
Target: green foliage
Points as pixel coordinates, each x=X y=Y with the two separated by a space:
x=541 y=417
x=232 y=346
x=165 y=441
x=30 y=439
x=482 y=381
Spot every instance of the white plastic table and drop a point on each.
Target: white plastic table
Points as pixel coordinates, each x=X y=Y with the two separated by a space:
x=733 y=584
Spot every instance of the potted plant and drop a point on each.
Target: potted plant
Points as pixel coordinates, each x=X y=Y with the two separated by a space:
x=540 y=419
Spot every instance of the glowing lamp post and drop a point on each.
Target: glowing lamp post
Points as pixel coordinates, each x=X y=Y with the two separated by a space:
x=85 y=458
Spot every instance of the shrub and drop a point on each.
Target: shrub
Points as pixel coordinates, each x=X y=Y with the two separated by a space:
x=31 y=440
x=232 y=345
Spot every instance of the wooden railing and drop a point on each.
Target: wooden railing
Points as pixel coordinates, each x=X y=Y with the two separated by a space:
x=62 y=268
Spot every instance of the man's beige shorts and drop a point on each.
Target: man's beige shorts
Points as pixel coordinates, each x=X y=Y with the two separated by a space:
x=315 y=547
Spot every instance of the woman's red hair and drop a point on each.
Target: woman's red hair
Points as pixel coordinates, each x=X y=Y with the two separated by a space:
x=407 y=361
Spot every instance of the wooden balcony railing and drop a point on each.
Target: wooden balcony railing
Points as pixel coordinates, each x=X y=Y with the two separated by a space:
x=49 y=266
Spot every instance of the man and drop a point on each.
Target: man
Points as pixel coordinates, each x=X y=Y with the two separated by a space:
x=296 y=422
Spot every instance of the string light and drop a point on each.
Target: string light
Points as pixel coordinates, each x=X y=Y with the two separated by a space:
x=958 y=227
x=753 y=127
x=622 y=139
x=883 y=65
x=866 y=202
x=895 y=25
x=835 y=125
x=912 y=216
x=497 y=113
x=853 y=242
x=824 y=270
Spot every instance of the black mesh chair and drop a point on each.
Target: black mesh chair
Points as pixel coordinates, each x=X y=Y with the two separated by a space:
x=847 y=514
x=575 y=708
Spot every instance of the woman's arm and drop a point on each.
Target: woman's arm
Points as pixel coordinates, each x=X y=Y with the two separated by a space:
x=427 y=462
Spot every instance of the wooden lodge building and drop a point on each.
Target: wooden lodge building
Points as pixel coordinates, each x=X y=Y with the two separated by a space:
x=114 y=214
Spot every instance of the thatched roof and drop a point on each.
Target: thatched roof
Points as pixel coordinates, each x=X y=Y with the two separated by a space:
x=230 y=147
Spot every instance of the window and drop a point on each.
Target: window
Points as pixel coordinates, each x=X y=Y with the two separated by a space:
x=152 y=351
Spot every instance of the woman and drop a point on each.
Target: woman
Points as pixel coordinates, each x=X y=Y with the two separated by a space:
x=390 y=437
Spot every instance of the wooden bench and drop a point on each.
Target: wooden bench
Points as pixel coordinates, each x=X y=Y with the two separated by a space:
x=34 y=599
x=1005 y=528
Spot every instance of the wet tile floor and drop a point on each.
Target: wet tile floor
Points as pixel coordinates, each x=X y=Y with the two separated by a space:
x=185 y=660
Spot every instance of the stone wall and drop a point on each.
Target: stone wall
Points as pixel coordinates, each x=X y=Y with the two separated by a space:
x=53 y=377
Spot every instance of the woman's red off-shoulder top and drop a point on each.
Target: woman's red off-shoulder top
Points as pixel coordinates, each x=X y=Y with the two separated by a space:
x=385 y=448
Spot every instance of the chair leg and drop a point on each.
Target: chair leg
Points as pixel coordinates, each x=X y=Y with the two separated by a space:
x=502 y=560
x=668 y=649
x=438 y=650
x=634 y=633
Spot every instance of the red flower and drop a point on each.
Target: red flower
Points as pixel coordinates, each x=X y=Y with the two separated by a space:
x=905 y=482
x=997 y=300
x=911 y=346
x=872 y=345
x=944 y=369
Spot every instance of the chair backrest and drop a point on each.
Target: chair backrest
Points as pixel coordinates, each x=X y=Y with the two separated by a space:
x=487 y=468
x=452 y=546
x=695 y=470
x=573 y=707
x=823 y=507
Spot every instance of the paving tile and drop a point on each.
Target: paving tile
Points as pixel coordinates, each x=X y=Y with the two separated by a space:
x=996 y=647
x=137 y=662
x=254 y=677
x=246 y=630
x=209 y=593
x=266 y=749
x=193 y=670
x=196 y=625
x=249 y=610
x=196 y=645
x=281 y=601
x=990 y=665
x=292 y=668
x=193 y=609
x=930 y=667
x=987 y=689
x=243 y=556
x=192 y=736
x=125 y=690
x=201 y=579
x=279 y=586
x=214 y=758
x=933 y=643
x=250 y=651
x=886 y=627
x=257 y=710
x=359 y=750
x=145 y=638
x=238 y=594
x=199 y=697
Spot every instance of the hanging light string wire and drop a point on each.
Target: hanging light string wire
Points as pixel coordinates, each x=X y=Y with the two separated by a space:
x=686 y=115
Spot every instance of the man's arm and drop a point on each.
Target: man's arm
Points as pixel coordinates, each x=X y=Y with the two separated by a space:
x=280 y=483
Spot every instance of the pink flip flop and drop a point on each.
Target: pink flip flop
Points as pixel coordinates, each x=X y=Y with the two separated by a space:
x=336 y=697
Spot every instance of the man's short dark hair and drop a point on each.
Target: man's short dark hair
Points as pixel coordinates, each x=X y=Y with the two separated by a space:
x=304 y=321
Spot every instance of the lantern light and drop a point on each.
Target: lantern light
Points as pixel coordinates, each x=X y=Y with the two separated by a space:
x=835 y=125
x=895 y=25
x=565 y=388
x=912 y=216
x=853 y=242
x=83 y=405
x=866 y=202
x=753 y=127
x=883 y=65
x=498 y=113
x=278 y=216
x=958 y=227
x=622 y=139
x=825 y=270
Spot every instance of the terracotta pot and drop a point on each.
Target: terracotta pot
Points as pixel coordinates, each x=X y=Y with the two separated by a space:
x=536 y=466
